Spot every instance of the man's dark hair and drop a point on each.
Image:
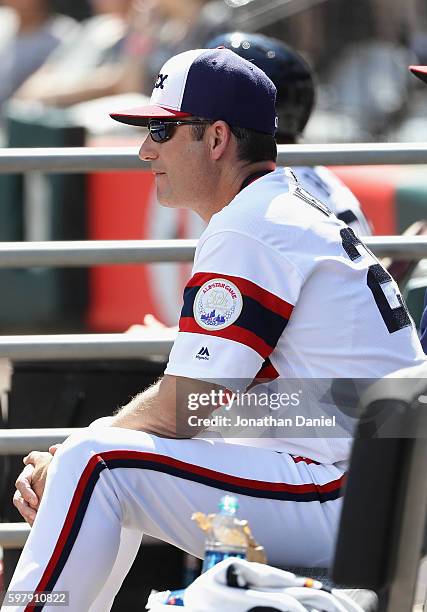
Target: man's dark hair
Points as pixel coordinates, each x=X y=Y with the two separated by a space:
x=251 y=146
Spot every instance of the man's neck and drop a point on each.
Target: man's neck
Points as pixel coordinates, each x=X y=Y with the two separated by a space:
x=31 y=21
x=232 y=183
x=253 y=177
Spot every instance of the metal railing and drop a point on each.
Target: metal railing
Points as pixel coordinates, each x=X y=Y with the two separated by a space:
x=96 y=252
x=99 y=159
x=253 y=16
x=86 y=346
x=14 y=535
x=23 y=441
x=81 y=253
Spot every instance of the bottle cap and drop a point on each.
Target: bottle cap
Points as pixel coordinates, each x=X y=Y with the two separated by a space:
x=228 y=504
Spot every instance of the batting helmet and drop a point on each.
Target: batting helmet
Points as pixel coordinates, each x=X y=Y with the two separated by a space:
x=286 y=68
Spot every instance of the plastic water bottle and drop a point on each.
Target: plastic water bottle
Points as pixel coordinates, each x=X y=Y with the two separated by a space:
x=226 y=537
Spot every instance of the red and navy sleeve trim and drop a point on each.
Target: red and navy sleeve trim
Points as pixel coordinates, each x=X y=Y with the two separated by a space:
x=267 y=371
x=260 y=324
x=307 y=460
x=167 y=465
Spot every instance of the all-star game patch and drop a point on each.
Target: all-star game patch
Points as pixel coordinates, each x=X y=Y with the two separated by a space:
x=218 y=304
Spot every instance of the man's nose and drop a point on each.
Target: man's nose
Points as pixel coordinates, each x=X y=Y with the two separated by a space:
x=147 y=152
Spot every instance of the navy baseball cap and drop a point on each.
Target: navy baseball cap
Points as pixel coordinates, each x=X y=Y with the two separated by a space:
x=420 y=72
x=213 y=84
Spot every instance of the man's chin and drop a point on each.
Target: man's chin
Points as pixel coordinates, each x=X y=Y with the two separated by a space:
x=163 y=200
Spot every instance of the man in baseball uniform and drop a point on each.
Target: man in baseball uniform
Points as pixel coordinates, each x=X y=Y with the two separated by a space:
x=280 y=288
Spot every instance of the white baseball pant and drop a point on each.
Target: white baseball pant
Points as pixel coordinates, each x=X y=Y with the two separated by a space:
x=106 y=487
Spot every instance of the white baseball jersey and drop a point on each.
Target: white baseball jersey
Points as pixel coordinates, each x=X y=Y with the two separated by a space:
x=329 y=189
x=281 y=287
x=167 y=285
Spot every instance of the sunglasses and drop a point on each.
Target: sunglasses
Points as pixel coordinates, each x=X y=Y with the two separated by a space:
x=161 y=131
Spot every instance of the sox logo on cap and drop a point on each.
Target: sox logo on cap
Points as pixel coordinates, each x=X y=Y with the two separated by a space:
x=160 y=80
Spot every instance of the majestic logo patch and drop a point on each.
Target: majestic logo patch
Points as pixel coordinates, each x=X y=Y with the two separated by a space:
x=160 y=81
x=218 y=304
x=203 y=354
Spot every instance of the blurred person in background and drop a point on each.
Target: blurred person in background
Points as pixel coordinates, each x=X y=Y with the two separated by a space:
x=296 y=94
x=121 y=49
x=368 y=81
x=162 y=28
x=184 y=25
x=85 y=66
x=29 y=32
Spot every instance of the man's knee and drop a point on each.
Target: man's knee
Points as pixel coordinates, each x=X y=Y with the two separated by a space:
x=102 y=438
x=75 y=451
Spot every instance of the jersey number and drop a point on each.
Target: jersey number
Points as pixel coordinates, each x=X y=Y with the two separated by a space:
x=389 y=301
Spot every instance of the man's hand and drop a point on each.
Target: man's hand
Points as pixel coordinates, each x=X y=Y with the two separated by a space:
x=31 y=482
x=151 y=326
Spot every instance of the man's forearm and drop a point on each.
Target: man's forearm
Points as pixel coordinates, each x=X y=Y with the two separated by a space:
x=158 y=411
x=144 y=413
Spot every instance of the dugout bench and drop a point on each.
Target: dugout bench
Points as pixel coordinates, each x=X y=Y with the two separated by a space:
x=381 y=538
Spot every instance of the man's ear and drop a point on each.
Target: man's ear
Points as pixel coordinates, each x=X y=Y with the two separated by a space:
x=218 y=139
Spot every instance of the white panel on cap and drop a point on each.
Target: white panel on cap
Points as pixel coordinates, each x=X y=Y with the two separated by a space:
x=173 y=75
